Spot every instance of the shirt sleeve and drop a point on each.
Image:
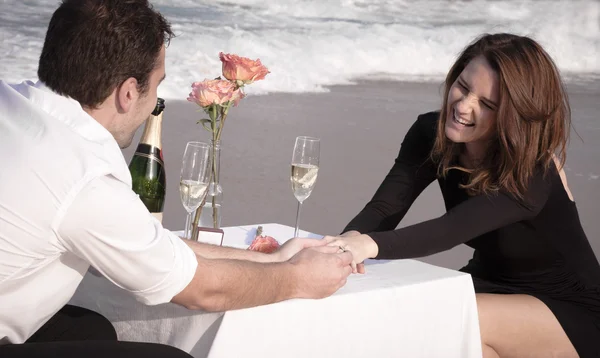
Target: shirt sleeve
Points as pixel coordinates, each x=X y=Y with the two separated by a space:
x=108 y=226
x=412 y=172
x=474 y=217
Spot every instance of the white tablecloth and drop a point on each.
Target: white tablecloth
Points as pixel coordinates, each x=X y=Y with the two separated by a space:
x=402 y=308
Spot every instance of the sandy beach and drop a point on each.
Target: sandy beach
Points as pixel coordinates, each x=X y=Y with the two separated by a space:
x=361 y=127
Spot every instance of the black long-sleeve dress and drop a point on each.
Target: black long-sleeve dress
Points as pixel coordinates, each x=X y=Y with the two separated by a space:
x=534 y=246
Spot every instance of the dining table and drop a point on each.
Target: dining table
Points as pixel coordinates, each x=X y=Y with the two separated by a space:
x=398 y=308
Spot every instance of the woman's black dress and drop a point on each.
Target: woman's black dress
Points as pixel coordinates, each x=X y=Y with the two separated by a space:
x=535 y=247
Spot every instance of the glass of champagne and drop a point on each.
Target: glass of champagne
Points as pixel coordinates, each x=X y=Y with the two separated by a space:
x=194 y=179
x=305 y=167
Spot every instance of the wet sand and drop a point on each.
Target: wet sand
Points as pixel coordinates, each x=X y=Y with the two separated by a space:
x=361 y=127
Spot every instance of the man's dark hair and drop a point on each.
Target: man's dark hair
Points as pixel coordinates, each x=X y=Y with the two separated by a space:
x=93 y=46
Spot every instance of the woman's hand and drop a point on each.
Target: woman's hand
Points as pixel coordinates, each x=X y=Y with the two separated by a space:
x=293 y=246
x=361 y=246
x=350 y=233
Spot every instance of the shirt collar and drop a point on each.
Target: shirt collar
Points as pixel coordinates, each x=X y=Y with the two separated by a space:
x=71 y=113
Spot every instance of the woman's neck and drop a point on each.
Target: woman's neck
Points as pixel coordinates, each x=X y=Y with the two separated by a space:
x=472 y=155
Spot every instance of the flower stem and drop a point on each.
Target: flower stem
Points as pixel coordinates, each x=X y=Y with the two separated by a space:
x=216 y=182
x=224 y=111
x=212 y=112
x=196 y=220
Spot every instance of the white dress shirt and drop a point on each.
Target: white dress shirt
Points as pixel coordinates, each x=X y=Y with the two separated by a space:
x=66 y=203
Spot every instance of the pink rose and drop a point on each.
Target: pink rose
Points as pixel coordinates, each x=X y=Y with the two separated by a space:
x=266 y=244
x=236 y=96
x=242 y=70
x=210 y=92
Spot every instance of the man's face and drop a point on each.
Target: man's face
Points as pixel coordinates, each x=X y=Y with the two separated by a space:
x=143 y=106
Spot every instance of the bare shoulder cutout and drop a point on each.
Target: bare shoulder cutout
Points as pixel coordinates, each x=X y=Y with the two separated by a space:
x=563 y=177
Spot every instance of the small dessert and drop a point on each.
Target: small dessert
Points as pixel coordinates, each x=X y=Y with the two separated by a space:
x=262 y=243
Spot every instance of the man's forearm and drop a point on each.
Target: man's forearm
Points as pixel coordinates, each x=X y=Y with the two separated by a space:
x=221 y=285
x=219 y=252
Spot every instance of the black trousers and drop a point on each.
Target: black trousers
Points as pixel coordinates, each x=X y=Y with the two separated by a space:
x=78 y=332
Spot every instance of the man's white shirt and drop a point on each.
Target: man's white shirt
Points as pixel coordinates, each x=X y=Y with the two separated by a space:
x=66 y=203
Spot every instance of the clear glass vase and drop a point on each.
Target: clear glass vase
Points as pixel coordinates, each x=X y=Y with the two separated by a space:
x=211 y=210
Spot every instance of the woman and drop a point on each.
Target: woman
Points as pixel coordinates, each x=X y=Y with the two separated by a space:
x=497 y=149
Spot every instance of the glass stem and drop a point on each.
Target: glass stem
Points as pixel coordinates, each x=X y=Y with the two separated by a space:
x=188 y=220
x=297 y=219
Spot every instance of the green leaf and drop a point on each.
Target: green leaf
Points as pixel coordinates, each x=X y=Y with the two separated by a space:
x=205 y=122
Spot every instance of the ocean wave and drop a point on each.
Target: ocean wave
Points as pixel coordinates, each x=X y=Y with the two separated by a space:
x=311 y=44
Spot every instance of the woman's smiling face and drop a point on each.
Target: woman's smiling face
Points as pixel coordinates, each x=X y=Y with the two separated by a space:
x=472 y=105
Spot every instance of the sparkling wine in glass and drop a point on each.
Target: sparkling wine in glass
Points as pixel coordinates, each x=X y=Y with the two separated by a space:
x=194 y=179
x=305 y=167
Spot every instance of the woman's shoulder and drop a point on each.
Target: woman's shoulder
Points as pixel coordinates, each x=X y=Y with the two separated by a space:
x=427 y=122
x=420 y=138
x=429 y=117
x=424 y=128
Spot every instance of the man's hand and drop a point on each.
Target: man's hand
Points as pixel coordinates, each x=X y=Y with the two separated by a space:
x=293 y=246
x=320 y=271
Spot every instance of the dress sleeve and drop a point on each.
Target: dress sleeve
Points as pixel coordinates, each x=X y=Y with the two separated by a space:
x=411 y=173
x=108 y=226
x=474 y=217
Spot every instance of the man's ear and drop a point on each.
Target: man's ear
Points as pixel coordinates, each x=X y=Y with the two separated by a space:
x=127 y=94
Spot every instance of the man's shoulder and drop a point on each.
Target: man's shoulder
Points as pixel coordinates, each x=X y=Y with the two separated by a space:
x=44 y=130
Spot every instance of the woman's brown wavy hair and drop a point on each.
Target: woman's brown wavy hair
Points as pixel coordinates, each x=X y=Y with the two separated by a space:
x=533 y=116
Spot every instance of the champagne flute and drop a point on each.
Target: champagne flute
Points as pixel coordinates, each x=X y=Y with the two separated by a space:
x=305 y=167
x=194 y=179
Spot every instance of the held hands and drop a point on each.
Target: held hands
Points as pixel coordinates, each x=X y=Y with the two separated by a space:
x=320 y=268
x=361 y=246
x=320 y=271
x=293 y=246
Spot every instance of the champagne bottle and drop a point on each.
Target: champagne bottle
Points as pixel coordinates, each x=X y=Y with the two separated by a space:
x=147 y=165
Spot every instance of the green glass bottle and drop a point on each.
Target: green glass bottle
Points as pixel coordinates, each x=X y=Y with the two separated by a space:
x=147 y=165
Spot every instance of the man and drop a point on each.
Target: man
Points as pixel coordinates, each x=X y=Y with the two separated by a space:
x=66 y=201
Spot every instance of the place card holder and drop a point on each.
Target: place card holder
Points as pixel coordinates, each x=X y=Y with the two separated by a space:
x=210 y=235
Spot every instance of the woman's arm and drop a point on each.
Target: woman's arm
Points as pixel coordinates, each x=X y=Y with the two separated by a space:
x=412 y=172
x=472 y=218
